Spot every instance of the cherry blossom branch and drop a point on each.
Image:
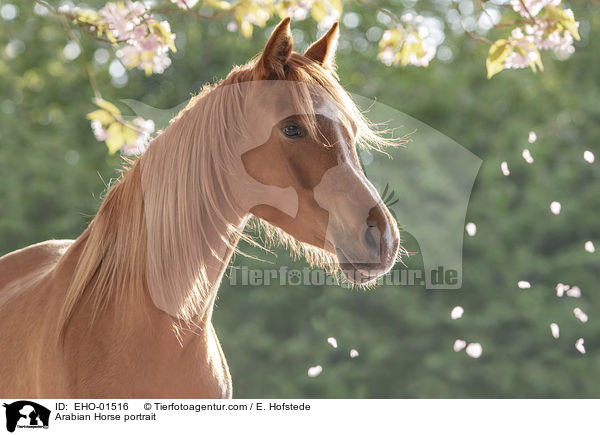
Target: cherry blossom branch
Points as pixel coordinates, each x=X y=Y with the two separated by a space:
x=469 y=33
x=72 y=37
x=190 y=12
x=485 y=11
x=527 y=11
x=83 y=57
x=86 y=28
x=477 y=37
x=512 y=23
x=378 y=8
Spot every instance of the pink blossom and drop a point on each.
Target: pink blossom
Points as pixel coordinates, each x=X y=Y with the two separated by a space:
x=559 y=42
x=99 y=132
x=185 y=4
x=130 y=22
x=387 y=56
x=299 y=10
x=145 y=128
x=522 y=57
x=532 y=6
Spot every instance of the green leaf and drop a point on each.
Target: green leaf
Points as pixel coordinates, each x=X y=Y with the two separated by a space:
x=115 y=140
x=385 y=189
x=109 y=107
x=318 y=11
x=337 y=5
x=498 y=53
x=130 y=134
x=560 y=16
x=101 y=115
x=246 y=29
x=164 y=35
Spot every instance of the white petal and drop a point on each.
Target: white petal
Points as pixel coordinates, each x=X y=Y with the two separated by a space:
x=474 y=350
x=555 y=330
x=315 y=371
x=505 y=170
x=579 y=345
x=471 y=229
x=532 y=136
x=589 y=246
x=589 y=157
x=527 y=156
x=555 y=207
x=333 y=342
x=353 y=353
x=574 y=292
x=459 y=345
x=457 y=312
x=524 y=284
x=580 y=315
x=560 y=289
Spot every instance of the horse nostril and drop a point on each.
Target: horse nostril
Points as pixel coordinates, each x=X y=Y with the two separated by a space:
x=371 y=238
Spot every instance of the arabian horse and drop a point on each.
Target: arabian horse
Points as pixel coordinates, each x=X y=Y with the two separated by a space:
x=124 y=311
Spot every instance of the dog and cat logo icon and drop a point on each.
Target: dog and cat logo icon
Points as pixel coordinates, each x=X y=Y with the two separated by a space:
x=26 y=415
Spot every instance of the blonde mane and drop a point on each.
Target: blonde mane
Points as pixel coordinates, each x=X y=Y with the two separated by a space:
x=158 y=221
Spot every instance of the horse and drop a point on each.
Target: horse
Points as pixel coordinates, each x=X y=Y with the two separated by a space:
x=124 y=311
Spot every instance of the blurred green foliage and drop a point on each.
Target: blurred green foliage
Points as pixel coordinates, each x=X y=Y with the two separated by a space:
x=53 y=174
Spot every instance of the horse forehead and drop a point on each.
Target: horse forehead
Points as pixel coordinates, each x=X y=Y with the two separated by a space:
x=327 y=108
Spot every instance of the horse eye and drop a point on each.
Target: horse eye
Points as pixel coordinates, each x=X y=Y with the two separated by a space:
x=293 y=131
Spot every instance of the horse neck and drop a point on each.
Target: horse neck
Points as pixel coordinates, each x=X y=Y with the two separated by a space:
x=158 y=246
x=193 y=222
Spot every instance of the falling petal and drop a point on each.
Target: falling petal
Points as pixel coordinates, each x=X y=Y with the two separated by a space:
x=579 y=346
x=583 y=318
x=471 y=229
x=532 y=137
x=574 y=292
x=505 y=170
x=555 y=330
x=527 y=156
x=560 y=289
x=589 y=246
x=315 y=371
x=474 y=350
x=555 y=207
x=353 y=353
x=333 y=342
x=589 y=156
x=524 y=284
x=457 y=312
x=459 y=345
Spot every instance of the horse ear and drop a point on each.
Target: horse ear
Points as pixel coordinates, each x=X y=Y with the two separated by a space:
x=323 y=51
x=276 y=52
